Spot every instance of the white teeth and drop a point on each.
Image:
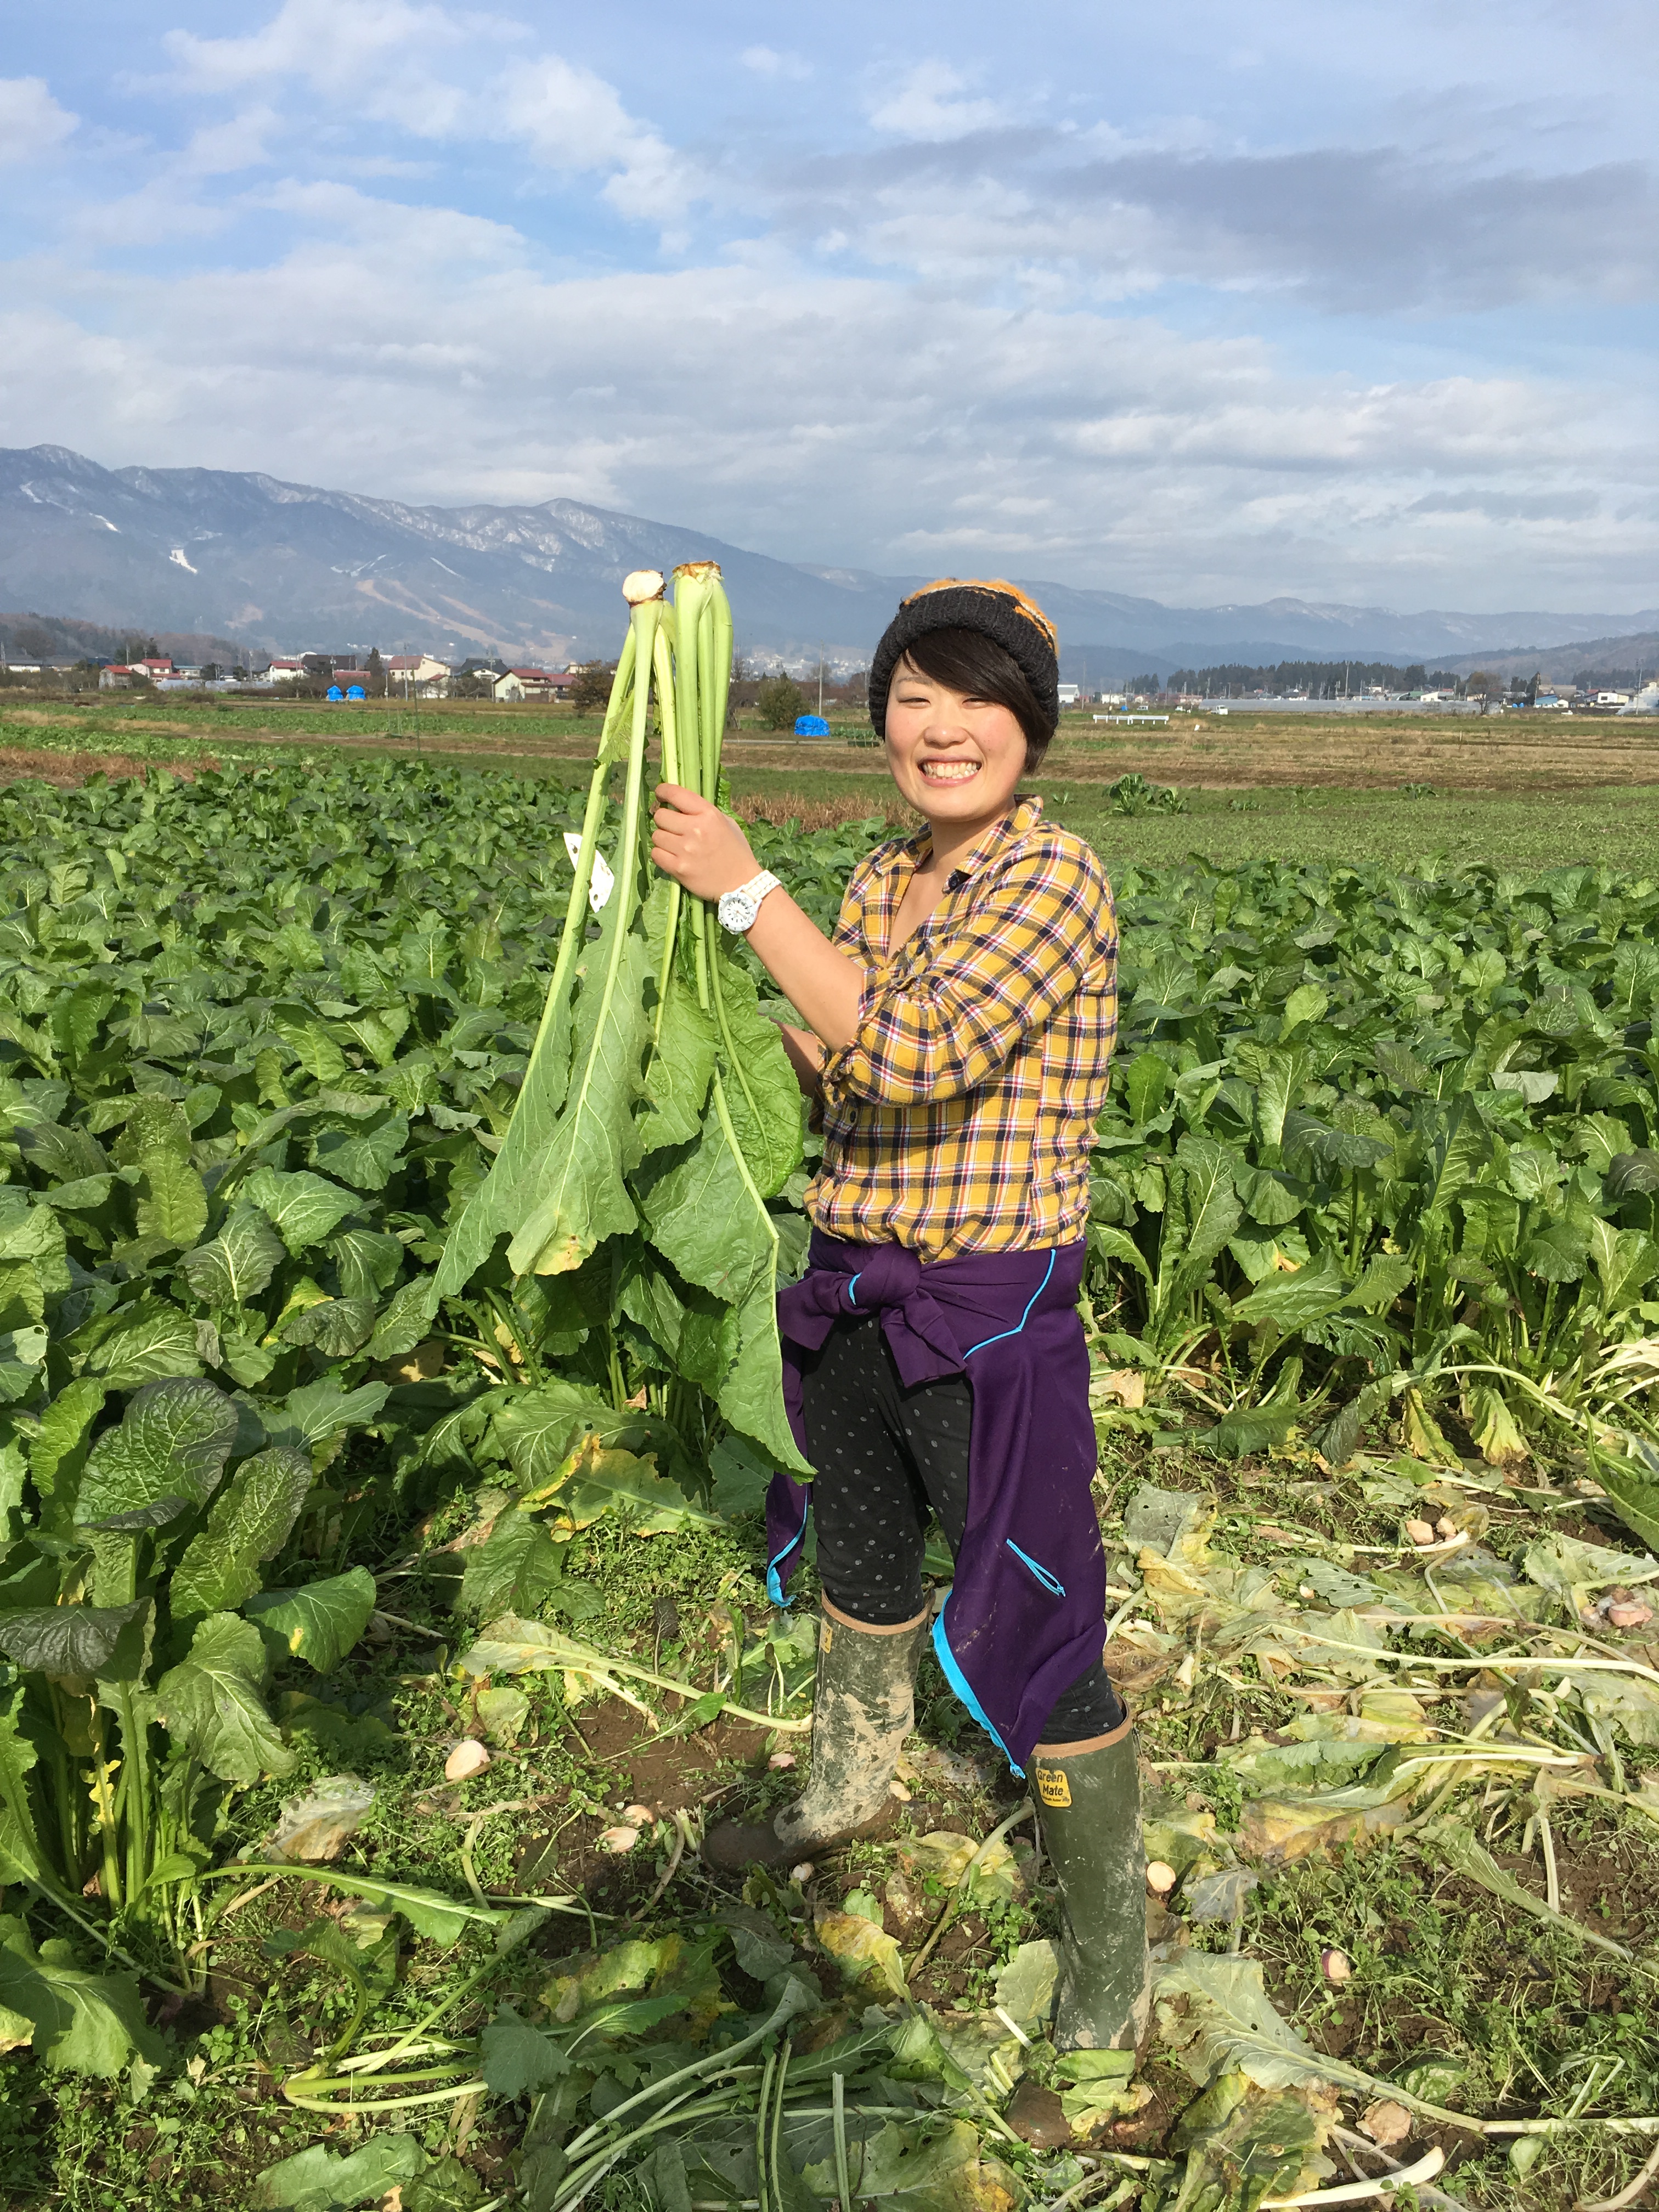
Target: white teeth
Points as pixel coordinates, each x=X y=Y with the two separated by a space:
x=950 y=771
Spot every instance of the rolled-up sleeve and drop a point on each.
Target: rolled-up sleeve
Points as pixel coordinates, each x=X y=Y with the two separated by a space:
x=1026 y=948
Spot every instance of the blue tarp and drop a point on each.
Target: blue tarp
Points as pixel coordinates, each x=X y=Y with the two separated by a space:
x=811 y=726
x=335 y=694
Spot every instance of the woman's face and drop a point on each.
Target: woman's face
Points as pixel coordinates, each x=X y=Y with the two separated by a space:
x=956 y=758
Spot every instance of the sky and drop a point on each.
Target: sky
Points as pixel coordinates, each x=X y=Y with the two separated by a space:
x=1203 y=302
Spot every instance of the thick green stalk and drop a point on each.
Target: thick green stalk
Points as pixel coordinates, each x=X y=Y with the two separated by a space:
x=838 y=2114
x=691 y=585
x=668 y=715
x=761 y=2189
x=788 y=2004
x=712 y=685
x=575 y=913
x=532 y=1236
x=777 y=2124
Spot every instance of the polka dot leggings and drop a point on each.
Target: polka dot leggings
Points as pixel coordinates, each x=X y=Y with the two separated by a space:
x=886 y=1457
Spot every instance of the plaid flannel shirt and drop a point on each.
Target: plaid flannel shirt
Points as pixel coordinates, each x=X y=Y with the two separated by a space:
x=959 y=1117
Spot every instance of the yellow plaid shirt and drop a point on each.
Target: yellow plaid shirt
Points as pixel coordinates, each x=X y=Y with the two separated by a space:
x=960 y=1116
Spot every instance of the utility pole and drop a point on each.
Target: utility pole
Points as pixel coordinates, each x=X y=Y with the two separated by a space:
x=820 y=679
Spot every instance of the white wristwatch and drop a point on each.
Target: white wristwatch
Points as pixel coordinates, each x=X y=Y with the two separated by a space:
x=738 y=909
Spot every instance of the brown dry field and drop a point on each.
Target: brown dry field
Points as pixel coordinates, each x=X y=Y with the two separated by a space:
x=1509 y=753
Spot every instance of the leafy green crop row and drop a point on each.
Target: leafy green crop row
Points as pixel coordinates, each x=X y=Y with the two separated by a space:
x=1374 y=1136
x=260 y=1037
x=1379 y=1146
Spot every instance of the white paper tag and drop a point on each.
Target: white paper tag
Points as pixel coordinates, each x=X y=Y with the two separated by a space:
x=600 y=882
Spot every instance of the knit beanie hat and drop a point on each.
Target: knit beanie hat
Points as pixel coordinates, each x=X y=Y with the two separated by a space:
x=1001 y=610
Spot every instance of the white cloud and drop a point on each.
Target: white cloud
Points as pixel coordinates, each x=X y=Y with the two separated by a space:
x=30 y=121
x=436 y=74
x=847 y=418
x=766 y=61
x=922 y=105
x=329 y=43
x=222 y=150
x=391 y=60
x=572 y=120
x=985 y=394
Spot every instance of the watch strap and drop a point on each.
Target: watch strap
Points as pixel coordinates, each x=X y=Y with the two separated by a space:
x=737 y=909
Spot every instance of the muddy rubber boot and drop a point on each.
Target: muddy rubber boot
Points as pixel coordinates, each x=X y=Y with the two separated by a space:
x=863 y=1707
x=1088 y=1797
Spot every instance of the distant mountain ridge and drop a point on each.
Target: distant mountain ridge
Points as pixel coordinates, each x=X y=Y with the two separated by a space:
x=253 y=560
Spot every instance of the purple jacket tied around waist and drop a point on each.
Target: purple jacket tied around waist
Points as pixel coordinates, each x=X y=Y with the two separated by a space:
x=1025 y=1615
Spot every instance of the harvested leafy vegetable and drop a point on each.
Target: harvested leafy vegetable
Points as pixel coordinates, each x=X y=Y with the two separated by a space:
x=659 y=1114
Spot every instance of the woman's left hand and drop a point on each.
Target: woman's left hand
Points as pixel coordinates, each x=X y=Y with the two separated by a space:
x=700 y=848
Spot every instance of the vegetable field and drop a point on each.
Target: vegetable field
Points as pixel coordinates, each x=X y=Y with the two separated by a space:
x=382 y=1617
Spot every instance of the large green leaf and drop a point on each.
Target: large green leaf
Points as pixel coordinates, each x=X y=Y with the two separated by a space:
x=58 y=1450
x=139 y=1343
x=304 y=1208
x=172 y=1203
x=72 y=1640
x=680 y=1071
x=1627 y=1260
x=1633 y=1486
x=407 y=1319
x=238 y=1263
x=210 y=1702
x=83 y=2022
x=316 y=2180
x=490 y=1213
x=336 y=1328
x=539 y=1428
x=1145 y=1085
x=368 y=1261
x=1213 y=1209
x=248 y=1523
x=516 y=1570
x=173 y=1442
x=317 y=1411
x=319 y=1622
x=751 y=1396
x=702 y=1217
x=573 y=1196
x=695 y=1330
x=27 y=1231
x=68 y=1154
x=1294 y=1300
x=22 y=1354
x=157 y=1128
x=762 y=1091
x=364 y=1158
x=20 y=1855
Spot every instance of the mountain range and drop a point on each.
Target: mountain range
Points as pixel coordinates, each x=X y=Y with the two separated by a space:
x=251 y=561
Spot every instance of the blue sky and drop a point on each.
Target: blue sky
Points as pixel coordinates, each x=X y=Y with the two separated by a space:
x=1206 y=302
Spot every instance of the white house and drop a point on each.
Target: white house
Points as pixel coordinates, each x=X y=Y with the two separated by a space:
x=534 y=684
x=407 y=673
x=1070 y=694
x=285 y=671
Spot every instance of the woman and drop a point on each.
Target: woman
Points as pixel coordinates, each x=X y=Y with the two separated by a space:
x=960 y=1031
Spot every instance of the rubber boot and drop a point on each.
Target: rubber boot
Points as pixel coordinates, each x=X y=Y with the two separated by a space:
x=1089 y=1796
x=863 y=1708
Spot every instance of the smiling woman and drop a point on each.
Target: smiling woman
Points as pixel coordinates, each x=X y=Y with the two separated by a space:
x=961 y=1030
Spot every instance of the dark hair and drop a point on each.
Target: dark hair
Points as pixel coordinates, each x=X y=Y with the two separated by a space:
x=967 y=661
